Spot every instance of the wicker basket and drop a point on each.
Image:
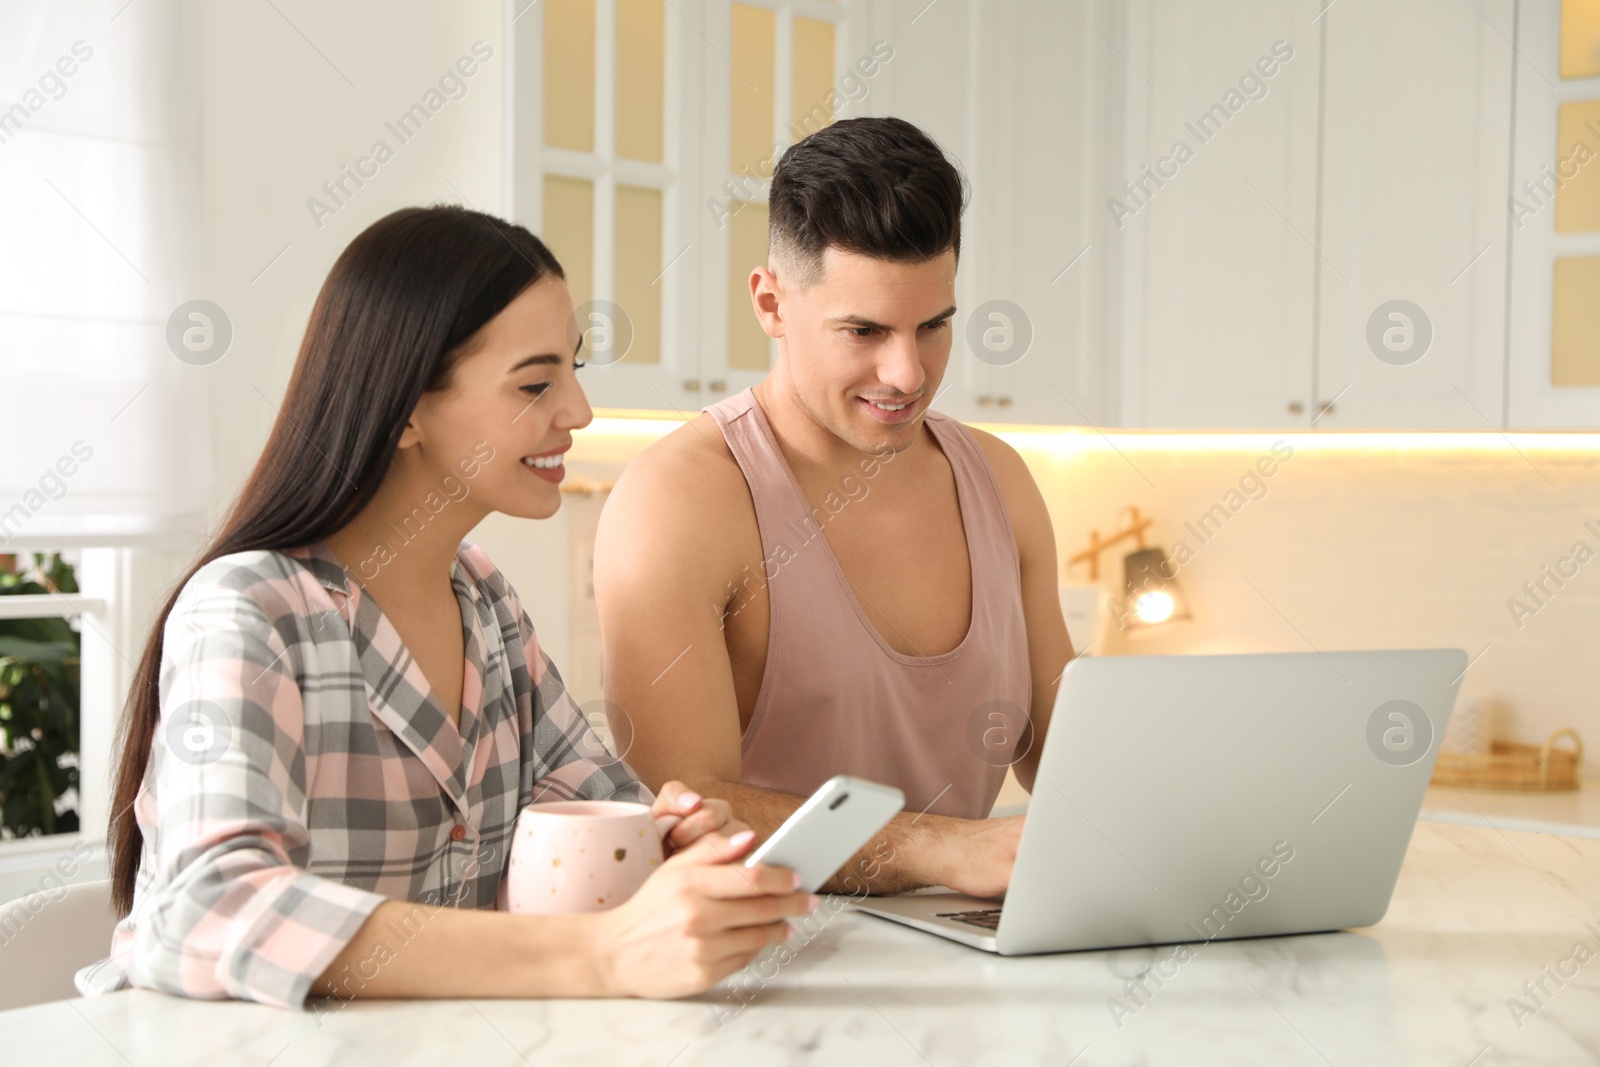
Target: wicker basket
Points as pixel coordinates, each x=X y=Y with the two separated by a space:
x=1512 y=766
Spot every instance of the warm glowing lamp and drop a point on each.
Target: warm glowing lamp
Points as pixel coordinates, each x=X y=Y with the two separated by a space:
x=1151 y=597
x=1150 y=583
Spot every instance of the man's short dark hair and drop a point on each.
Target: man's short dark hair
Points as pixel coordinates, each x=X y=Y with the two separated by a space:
x=878 y=187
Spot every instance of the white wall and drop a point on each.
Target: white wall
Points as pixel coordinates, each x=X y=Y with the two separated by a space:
x=290 y=99
x=283 y=114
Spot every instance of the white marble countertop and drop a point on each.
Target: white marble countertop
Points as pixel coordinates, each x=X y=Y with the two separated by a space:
x=1478 y=913
x=1576 y=812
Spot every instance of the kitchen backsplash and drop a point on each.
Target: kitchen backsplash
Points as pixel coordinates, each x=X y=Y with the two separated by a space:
x=1350 y=544
x=1284 y=543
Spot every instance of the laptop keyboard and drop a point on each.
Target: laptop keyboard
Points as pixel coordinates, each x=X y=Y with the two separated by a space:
x=988 y=918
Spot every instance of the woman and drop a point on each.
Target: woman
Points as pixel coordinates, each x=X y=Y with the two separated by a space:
x=316 y=793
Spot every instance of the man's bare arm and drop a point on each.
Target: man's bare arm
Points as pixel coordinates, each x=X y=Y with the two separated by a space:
x=677 y=529
x=1049 y=647
x=912 y=851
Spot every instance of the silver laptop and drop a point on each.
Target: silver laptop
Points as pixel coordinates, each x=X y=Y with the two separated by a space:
x=1183 y=799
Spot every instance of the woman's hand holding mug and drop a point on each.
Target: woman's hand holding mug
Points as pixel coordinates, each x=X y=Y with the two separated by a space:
x=658 y=928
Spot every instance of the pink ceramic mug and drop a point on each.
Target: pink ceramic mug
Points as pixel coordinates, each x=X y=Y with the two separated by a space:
x=579 y=855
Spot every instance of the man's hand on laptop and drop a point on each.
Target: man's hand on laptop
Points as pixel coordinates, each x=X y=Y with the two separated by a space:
x=972 y=856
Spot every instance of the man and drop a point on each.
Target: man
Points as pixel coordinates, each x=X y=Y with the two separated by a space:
x=821 y=576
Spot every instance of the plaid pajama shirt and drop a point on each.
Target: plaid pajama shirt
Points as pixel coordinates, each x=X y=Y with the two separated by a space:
x=303 y=773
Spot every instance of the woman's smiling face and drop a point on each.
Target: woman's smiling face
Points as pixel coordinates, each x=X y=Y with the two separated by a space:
x=510 y=409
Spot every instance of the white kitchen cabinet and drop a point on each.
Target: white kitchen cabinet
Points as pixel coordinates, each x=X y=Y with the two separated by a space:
x=1336 y=255
x=1415 y=150
x=936 y=82
x=1291 y=213
x=1014 y=91
x=1242 y=214
x=1040 y=221
x=1217 y=220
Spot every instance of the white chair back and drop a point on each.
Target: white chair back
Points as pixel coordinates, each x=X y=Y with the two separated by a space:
x=46 y=936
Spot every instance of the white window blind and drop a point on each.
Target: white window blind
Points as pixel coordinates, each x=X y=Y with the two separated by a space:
x=104 y=436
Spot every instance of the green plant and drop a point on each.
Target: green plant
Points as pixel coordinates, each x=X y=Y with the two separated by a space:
x=39 y=661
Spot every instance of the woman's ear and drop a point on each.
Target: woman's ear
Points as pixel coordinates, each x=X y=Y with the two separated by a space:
x=412 y=434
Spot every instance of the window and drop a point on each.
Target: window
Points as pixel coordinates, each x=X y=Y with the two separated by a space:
x=105 y=340
x=40 y=656
x=63 y=628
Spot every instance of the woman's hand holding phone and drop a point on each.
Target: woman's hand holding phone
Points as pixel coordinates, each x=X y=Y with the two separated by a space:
x=699 y=918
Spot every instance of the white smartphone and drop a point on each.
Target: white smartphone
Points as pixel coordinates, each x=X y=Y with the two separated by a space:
x=836 y=821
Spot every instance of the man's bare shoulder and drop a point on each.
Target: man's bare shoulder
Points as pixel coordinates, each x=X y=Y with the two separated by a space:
x=686 y=486
x=1008 y=466
x=692 y=463
x=1029 y=515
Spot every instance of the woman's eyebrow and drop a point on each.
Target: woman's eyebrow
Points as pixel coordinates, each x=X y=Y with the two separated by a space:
x=542 y=358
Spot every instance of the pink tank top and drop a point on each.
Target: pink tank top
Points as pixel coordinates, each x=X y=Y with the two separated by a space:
x=835 y=697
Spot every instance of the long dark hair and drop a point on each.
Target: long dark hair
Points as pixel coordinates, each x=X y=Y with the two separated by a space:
x=393 y=316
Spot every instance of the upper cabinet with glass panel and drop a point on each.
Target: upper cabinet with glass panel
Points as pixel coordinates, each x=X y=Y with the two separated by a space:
x=598 y=175
x=1575 y=311
x=1555 y=206
x=645 y=135
x=780 y=90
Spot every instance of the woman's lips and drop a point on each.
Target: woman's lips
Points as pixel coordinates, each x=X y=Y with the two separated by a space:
x=552 y=474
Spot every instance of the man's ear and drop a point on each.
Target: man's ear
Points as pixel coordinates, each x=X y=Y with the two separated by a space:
x=766 y=297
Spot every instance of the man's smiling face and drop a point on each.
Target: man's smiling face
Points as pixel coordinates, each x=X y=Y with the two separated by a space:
x=867 y=344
